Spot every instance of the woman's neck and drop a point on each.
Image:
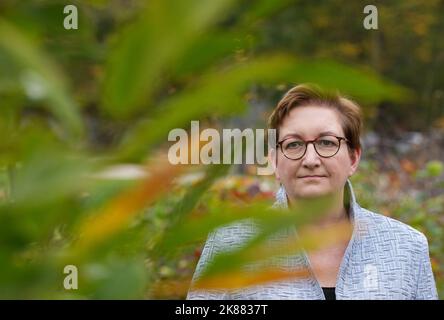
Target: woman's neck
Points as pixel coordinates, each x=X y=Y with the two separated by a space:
x=337 y=212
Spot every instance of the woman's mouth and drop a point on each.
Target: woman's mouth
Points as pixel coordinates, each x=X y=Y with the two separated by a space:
x=311 y=177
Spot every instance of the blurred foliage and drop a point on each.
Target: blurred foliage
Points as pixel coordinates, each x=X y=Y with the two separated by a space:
x=408 y=47
x=75 y=103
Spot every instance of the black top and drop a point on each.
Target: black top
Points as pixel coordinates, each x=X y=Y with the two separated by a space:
x=329 y=293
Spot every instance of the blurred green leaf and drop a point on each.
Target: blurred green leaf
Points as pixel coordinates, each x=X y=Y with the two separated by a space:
x=146 y=51
x=358 y=82
x=206 y=97
x=305 y=212
x=185 y=205
x=208 y=51
x=261 y=9
x=119 y=279
x=41 y=77
x=49 y=176
x=211 y=47
x=268 y=222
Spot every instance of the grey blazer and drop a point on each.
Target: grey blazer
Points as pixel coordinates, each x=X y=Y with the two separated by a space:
x=385 y=259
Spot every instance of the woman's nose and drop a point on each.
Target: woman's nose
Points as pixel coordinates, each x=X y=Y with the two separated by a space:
x=311 y=157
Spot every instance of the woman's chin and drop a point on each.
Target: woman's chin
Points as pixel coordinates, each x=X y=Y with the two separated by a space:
x=311 y=191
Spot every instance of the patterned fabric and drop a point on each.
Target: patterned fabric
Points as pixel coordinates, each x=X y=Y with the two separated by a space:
x=385 y=259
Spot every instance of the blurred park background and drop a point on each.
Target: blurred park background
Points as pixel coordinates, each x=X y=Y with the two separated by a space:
x=85 y=116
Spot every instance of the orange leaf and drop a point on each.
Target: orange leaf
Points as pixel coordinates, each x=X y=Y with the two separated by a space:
x=117 y=214
x=241 y=279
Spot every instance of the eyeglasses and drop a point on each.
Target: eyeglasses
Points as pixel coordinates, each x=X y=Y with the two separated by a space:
x=325 y=146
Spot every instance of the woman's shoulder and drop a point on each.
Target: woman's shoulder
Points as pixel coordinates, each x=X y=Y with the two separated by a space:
x=390 y=228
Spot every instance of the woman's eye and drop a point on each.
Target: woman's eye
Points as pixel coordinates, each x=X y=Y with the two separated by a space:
x=295 y=144
x=326 y=143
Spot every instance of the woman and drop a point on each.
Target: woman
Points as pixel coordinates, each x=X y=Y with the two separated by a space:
x=318 y=149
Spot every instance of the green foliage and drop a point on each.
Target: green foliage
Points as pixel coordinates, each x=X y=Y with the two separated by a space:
x=41 y=78
x=74 y=104
x=146 y=51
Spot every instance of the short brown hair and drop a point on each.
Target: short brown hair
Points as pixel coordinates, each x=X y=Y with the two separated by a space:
x=310 y=94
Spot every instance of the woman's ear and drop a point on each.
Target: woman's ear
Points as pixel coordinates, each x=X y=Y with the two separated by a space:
x=272 y=158
x=355 y=157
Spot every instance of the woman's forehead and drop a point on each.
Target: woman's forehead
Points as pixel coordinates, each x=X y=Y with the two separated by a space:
x=311 y=122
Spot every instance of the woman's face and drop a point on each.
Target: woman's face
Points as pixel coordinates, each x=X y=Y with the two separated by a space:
x=310 y=122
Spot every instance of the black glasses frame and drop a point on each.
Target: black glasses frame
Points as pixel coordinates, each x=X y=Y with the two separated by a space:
x=279 y=144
